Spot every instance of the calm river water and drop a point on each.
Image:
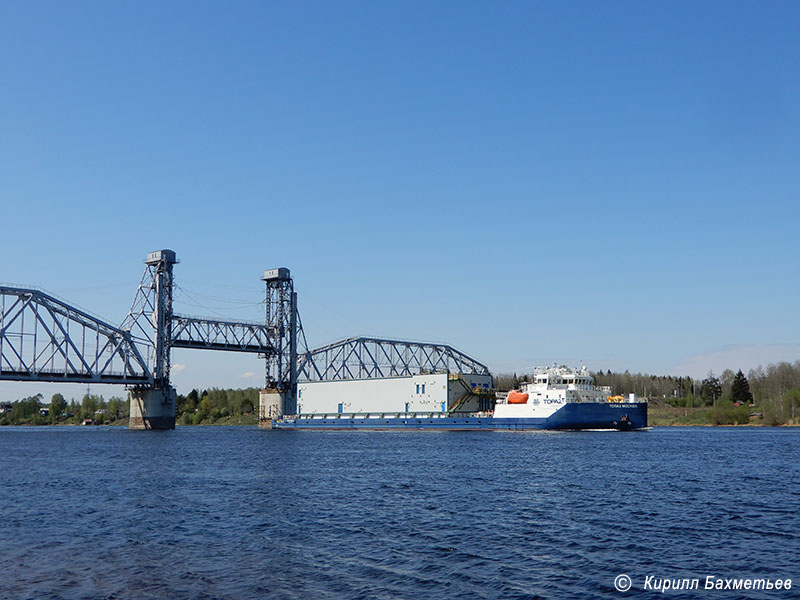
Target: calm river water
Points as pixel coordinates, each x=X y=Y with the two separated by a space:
x=212 y=512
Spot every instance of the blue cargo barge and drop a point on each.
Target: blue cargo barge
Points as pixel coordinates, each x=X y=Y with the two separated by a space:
x=556 y=398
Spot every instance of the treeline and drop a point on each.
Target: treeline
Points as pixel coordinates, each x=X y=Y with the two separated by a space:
x=204 y=407
x=212 y=406
x=34 y=410
x=768 y=395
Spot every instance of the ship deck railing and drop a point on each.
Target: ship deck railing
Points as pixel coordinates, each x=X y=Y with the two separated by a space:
x=393 y=415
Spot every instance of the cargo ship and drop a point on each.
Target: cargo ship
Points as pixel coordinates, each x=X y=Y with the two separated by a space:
x=557 y=397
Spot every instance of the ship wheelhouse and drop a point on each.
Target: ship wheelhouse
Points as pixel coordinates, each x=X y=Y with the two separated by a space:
x=573 y=385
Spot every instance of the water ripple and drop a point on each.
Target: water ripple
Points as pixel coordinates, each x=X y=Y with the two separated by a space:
x=241 y=513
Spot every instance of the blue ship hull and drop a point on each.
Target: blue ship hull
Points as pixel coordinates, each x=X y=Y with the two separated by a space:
x=625 y=417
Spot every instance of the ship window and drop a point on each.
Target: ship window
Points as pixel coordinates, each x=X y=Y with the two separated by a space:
x=423 y=388
x=418 y=388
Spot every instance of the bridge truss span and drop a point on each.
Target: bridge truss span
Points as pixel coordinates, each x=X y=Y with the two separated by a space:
x=45 y=339
x=366 y=357
x=218 y=334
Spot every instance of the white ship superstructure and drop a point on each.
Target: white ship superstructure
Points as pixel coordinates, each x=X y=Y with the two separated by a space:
x=551 y=389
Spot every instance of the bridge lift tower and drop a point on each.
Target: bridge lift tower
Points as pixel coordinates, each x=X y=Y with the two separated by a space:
x=153 y=407
x=279 y=396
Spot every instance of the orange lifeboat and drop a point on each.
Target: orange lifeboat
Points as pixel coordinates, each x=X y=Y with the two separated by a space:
x=515 y=397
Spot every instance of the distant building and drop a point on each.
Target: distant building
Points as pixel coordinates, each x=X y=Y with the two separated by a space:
x=5 y=407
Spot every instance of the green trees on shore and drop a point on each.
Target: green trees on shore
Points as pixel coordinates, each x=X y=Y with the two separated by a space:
x=34 y=410
x=197 y=407
x=710 y=390
x=217 y=405
x=768 y=395
x=740 y=389
x=27 y=410
x=58 y=406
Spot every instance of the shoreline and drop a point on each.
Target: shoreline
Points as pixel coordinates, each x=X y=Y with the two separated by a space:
x=652 y=425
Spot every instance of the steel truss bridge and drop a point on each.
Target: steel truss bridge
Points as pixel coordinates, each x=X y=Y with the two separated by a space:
x=43 y=338
x=366 y=357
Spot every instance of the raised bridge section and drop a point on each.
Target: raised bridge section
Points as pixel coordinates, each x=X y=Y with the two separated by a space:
x=218 y=334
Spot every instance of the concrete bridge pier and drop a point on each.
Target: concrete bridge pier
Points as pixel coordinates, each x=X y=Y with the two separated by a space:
x=153 y=408
x=271 y=403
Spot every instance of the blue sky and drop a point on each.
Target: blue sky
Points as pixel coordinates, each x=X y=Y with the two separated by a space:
x=614 y=183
